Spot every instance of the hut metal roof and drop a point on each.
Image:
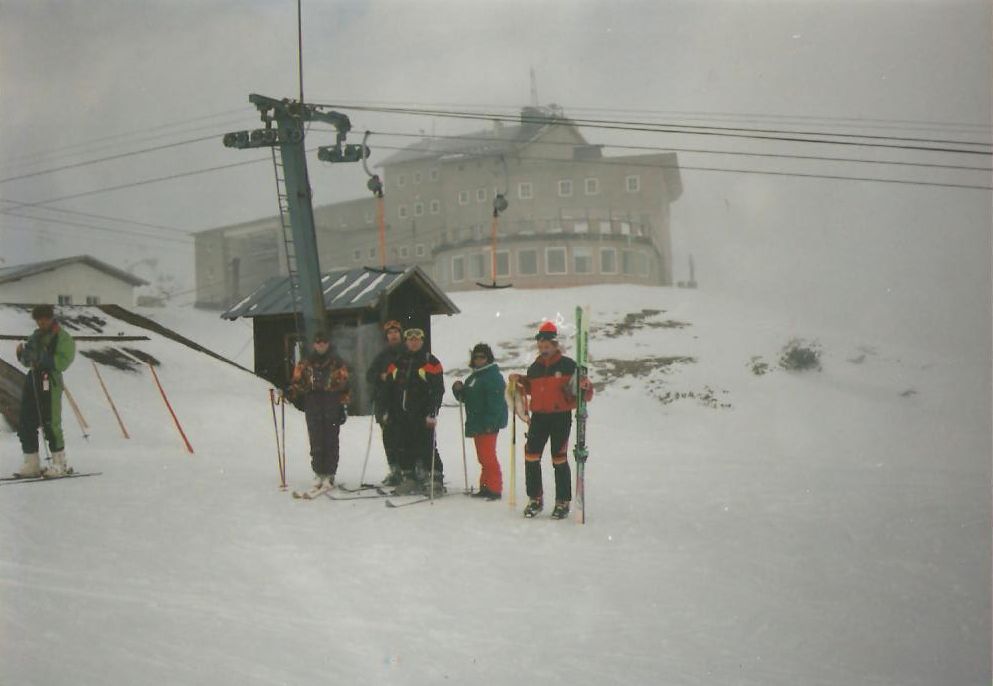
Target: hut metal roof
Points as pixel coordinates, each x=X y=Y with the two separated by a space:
x=344 y=291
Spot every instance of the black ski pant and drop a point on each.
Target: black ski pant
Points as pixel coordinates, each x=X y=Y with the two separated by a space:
x=323 y=412
x=415 y=445
x=545 y=426
x=50 y=404
x=392 y=444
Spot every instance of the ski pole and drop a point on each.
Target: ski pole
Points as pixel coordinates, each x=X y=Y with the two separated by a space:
x=275 y=428
x=465 y=468
x=175 y=419
x=434 y=438
x=110 y=400
x=512 y=500
x=282 y=438
x=368 y=449
x=41 y=418
x=80 y=419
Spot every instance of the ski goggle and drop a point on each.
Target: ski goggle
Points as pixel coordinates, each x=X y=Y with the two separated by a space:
x=413 y=333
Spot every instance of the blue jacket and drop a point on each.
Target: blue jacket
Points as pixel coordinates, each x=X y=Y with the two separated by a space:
x=485 y=404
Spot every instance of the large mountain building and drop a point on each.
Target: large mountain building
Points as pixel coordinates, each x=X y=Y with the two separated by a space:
x=573 y=217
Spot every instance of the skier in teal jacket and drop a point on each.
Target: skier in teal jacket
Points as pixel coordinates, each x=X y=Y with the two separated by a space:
x=48 y=353
x=486 y=413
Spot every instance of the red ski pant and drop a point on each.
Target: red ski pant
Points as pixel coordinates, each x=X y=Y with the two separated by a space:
x=490 y=477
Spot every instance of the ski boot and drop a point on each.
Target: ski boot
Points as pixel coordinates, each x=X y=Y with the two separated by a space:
x=394 y=478
x=409 y=485
x=486 y=494
x=31 y=468
x=58 y=467
x=439 y=487
x=533 y=507
x=561 y=509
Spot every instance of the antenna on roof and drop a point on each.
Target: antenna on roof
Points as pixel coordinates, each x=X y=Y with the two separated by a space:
x=534 y=89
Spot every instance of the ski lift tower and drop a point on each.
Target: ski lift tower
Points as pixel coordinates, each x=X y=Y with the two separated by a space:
x=293 y=192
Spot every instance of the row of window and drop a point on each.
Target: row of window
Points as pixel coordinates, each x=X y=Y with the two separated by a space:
x=416 y=178
x=525 y=191
x=402 y=252
x=555 y=263
x=90 y=300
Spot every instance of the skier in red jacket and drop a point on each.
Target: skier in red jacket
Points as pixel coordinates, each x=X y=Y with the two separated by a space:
x=550 y=385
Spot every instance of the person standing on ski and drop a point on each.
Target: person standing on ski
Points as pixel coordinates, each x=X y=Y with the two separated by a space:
x=320 y=388
x=415 y=387
x=47 y=353
x=376 y=378
x=550 y=386
x=485 y=414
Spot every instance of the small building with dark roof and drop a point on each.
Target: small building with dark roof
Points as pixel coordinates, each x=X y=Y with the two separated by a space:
x=358 y=303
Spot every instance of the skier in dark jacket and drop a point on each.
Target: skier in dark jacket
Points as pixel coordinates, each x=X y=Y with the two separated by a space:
x=550 y=386
x=376 y=378
x=320 y=385
x=486 y=413
x=415 y=388
x=48 y=353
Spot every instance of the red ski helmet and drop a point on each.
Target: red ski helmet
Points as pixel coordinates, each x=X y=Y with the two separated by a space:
x=547 y=332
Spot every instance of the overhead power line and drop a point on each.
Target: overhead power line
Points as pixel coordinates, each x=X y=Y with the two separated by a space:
x=130 y=234
x=729 y=132
x=710 y=151
x=18 y=204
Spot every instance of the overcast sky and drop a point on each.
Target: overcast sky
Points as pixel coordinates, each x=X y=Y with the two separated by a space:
x=93 y=78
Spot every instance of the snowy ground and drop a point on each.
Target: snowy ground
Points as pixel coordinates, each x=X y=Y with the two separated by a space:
x=786 y=528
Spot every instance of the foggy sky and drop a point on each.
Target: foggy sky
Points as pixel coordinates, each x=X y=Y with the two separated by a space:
x=906 y=261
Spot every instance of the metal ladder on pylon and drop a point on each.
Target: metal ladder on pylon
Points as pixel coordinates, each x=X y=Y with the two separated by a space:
x=288 y=245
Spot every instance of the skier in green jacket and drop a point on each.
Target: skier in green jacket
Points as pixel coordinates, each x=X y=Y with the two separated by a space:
x=486 y=413
x=47 y=353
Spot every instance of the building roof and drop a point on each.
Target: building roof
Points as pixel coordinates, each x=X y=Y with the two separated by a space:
x=345 y=291
x=21 y=271
x=499 y=140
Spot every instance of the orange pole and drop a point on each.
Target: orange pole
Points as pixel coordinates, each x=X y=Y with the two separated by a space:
x=110 y=400
x=169 y=407
x=381 y=219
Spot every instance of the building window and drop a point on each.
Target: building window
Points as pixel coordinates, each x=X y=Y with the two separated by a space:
x=357 y=255
x=525 y=191
x=625 y=228
x=608 y=261
x=463 y=197
x=555 y=261
x=458 y=268
x=477 y=265
x=418 y=209
x=65 y=300
x=582 y=260
x=480 y=195
x=565 y=188
x=404 y=252
x=92 y=300
x=435 y=206
x=419 y=250
x=401 y=180
x=632 y=183
x=502 y=263
x=433 y=174
x=581 y=226
x=402 y=211
x=417 y=178
x=628 y=261
x=642 y=264
x=592 y=186
x=604 y=226
x=372 y=253
x=527 y=262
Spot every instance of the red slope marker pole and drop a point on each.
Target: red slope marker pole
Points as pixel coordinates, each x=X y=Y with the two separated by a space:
x=120 y=422
x=169 y=407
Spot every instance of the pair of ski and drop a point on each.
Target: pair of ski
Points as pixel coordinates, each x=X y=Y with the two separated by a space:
x=363 y=492
x=11 y=480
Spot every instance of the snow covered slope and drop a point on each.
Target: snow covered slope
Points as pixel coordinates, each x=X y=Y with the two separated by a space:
x=826 y=527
